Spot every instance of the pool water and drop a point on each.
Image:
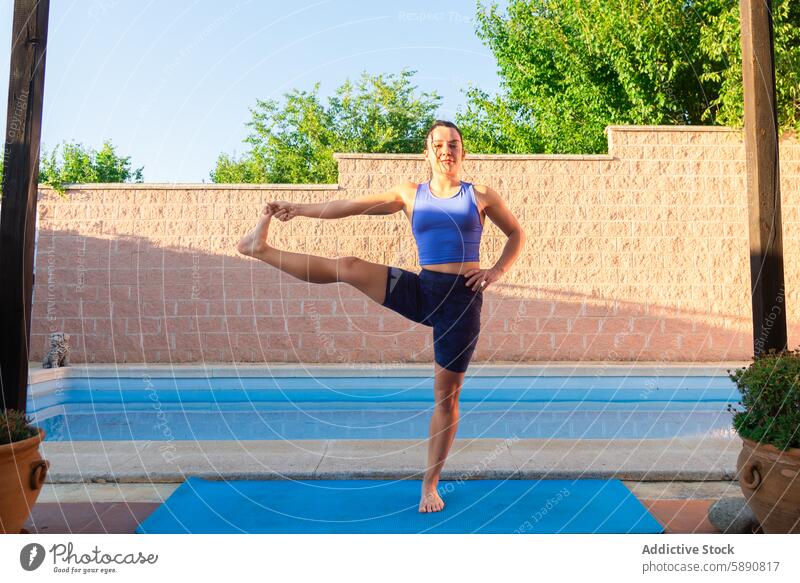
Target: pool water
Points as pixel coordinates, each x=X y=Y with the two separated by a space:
x=381 y=408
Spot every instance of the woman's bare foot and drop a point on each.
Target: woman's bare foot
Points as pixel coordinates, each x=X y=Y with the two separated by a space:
x=430 y=500
x=255 y=242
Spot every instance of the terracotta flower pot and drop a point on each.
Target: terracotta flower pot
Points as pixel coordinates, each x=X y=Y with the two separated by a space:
x=770 y=480
x=22 y=473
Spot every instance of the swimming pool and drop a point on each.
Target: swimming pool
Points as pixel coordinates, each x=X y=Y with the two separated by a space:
x=142 y=406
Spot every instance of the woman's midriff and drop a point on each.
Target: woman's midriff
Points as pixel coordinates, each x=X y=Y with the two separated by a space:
x=453 y=268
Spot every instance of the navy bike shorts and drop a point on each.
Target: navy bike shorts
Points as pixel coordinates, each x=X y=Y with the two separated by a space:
x=444 y=302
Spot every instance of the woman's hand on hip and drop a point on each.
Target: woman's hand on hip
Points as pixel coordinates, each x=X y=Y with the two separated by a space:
x=480 y=279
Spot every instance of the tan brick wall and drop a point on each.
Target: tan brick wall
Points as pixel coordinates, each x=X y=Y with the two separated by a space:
x=641 y=254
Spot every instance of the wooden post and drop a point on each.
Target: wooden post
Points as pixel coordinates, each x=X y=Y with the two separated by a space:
x=20 y=190
x=763 y=177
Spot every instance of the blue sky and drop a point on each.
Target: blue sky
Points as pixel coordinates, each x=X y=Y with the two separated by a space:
x=171 y=83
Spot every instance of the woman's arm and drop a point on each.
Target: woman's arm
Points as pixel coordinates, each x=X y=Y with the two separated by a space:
x=512 y=249
x=385 y=203
x=497 y=210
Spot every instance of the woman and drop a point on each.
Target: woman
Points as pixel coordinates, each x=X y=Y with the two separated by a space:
x=447 y=217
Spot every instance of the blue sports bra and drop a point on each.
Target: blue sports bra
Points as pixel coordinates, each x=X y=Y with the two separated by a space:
x=447 y=230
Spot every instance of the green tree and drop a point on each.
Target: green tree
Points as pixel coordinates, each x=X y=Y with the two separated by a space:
x=295 y=142
x=72 y=163
x=721 y=43
x=569 y=68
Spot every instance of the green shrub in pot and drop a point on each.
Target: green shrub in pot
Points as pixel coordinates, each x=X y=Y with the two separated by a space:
x=768 y=466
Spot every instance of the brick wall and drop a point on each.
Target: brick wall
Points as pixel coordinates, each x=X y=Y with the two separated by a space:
x=641 y=254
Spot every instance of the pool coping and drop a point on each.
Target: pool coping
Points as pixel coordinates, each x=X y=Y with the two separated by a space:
x=708 y=458
x=37 y=374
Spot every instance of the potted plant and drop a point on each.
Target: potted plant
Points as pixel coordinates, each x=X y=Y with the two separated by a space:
x=22 y=469
x=768 y=466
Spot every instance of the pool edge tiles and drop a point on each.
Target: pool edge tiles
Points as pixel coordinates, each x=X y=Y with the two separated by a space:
x=378 y=423
x=362 y=388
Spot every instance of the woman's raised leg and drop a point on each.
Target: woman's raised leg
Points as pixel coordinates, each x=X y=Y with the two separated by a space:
x=367 y=277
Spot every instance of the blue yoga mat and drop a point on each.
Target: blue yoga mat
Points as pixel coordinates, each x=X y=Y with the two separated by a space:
x=390 y=506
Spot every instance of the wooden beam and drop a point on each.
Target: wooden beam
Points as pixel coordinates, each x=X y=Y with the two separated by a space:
x=20 y=190
x=763 y=177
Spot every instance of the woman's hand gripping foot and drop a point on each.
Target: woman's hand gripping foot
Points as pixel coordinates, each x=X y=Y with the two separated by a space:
x=255 y=242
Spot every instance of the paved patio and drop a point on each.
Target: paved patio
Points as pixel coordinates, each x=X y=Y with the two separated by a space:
x=110 y=487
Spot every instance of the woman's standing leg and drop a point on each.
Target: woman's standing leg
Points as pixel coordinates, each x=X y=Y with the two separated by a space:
x=444 y=424
x=365 y=276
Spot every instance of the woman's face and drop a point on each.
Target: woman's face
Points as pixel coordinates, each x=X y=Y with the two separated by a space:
x=444 y=151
